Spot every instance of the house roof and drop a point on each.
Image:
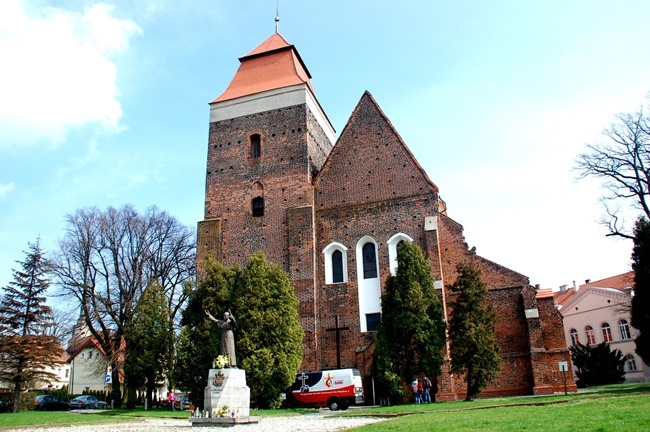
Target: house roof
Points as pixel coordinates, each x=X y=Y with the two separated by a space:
x=271 y=65
x=617 y=284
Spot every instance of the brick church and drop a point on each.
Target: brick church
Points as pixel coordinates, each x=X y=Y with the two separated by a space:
x=332 y=212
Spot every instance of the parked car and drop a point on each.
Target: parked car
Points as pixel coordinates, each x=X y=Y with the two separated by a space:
x=183 y=403
x=86 y=401
x=50 y=403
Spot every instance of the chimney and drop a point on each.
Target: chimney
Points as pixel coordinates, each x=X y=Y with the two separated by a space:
x=562 y=288
x=574 y=285
x=587 y=281
x=537 y=287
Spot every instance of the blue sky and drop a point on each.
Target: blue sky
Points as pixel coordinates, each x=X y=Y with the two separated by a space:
x=106 y=103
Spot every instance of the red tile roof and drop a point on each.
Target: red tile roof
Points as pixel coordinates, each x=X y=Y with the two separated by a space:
x=272 y=65
x=619 y=282
x=544 y=293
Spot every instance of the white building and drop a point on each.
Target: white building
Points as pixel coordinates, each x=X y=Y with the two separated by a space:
x=599 y=311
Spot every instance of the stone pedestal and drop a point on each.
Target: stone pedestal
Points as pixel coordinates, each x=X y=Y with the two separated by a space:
x=226 y=399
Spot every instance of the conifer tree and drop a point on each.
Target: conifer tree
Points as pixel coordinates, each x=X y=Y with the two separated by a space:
x=149 y=342
x=641 y=299
x=25 y=351
x=270 y=334
x=598 y=364
x=473 y=348
x=268 y=337
x=199 y=340
x=411 y=332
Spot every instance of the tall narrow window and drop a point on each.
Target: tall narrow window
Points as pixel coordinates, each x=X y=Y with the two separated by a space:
x=337 y=266
x=258 y=206
x=369 y=261
x=256 y=146
x=335 y=255
x=589 y=332
x=393 y=244
x=624 y=327
x=630 y=363
x=574 y=336
x=607 y=332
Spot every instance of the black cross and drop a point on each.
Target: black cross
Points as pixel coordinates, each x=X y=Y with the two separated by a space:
x=338 y=330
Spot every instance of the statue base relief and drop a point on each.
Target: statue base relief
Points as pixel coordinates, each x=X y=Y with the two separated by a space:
x=226 y=399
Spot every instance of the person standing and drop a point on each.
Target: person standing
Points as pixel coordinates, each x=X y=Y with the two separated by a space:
x=427 y=390
x=227 y=325
x=171 y=398
x=414 y=387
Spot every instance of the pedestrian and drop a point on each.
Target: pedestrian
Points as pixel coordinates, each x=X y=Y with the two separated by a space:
x=427 y=390
x=414 y=387
x=171 y=398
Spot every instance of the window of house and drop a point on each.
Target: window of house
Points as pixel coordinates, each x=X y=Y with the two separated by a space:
x=67 y=373
x=589 y=332
x=258 y=206
x=369 y=261
x=574 y=336
x=90 y=354
x=372 y=321
x=624 y=327
x=630 y=363
x=607 y=332
x=256 y=146
x=337 y=266
x=335 y=263
x=82 y=355
x=393 y=245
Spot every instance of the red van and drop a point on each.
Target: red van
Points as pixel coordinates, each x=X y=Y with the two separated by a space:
x=336 y=389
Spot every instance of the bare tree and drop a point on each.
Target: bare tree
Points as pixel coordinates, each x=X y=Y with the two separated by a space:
x=622 y=161
x=106 y=260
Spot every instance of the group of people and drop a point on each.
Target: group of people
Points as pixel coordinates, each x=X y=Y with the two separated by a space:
x=422 y=389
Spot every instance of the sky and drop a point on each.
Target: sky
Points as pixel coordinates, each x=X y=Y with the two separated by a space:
x=105 y=103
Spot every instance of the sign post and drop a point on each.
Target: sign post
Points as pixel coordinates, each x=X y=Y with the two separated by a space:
x=564 y=366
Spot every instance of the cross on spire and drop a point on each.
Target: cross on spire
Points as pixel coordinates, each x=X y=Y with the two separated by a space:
x=338 y=331
x=277 y=15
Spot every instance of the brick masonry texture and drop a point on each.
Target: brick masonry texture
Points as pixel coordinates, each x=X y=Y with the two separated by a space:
x=368 y=184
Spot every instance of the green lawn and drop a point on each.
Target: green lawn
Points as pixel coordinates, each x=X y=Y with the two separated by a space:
x=608 y=408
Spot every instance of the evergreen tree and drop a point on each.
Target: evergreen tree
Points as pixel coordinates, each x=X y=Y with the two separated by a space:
x=25 y=351
x=270 y=334
x=411 y=332
x=474 y=351
x=598 y=364
x=199 y=340
x=268 y=338
x=149 y=341
x=641 y=299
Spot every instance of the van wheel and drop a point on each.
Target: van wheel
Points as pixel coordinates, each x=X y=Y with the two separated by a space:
x=333 y=404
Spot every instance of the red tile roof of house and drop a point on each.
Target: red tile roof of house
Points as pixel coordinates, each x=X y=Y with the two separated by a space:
x=544 y=293
x=619 y=282
x=272 y=65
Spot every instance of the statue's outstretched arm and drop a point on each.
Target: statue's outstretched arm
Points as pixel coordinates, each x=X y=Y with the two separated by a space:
x=211 y=317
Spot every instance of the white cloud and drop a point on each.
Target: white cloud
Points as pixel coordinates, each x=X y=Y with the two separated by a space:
x=58 y=70
x=5 y=188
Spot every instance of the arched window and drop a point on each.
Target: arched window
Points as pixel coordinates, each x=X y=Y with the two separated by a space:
x=624 y=327
x=258 y=206
x=256 y=146
x=368 y=284
x=574 y=336
x=589 y=332
x=369 y=261
x=630 y=363
x=393 y=244
x=336 y=267
x=607 y=332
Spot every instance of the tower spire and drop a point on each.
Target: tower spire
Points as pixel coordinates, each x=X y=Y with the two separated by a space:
x=277 y=15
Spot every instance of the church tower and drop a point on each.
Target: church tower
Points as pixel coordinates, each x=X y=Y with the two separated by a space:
x=268 y=139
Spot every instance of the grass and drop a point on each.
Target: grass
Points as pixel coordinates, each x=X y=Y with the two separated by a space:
x=607 y=408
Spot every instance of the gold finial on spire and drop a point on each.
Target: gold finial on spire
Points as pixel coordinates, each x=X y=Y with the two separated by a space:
x=277 y=15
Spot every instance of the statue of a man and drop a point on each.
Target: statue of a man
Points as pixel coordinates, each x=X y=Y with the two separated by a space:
x=227 y=325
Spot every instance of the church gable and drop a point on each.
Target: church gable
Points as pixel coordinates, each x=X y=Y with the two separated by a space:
x=370 y=163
